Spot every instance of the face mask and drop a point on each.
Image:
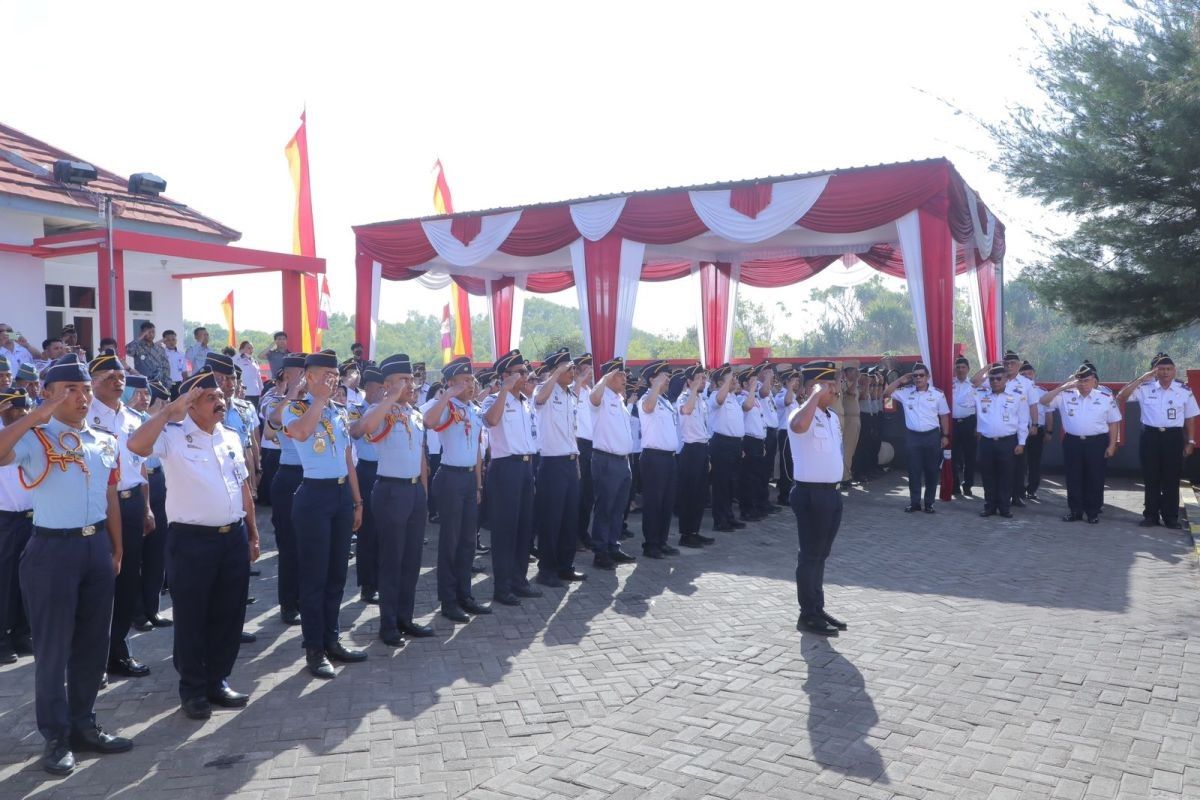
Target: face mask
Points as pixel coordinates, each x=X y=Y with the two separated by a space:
x=127 y=395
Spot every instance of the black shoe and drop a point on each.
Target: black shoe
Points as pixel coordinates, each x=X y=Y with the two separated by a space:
x=318 y=664
x=254 y=573
x=143 y=625
x=1006 y=514
x=1148 y=523
x=477 y=569
x=1173 y=524
x=572 y=575
x=928 y=509
x=416 y=629
x=248 y=637
x=619 y=556
x=160 y=622
x=452 y=612
x=22 y=645
x=228 y=698
x=910 y=509
x=1093 y=520
x=196 y=708
x=1017 y=503
x=290 y=616
x=371 y=597
x=338 y=652
x=705 y=539
x=967 y=491
x=95 y=740
x=604 y=561
x=527 y=591
x=725 y=528
x=1033 y=496
x=481 y=549
x=7 y=654
x=651 y=552
x=434 y=519
x=737 y=525
x=834 y=621
x=988 y=512
x=1072 y=518
x=817 y=625
x=251 y=601
x=549 y=579
x=392 y=639
x=473 y=606
x=506 y=599
x=128 y=667
x=668 y=550
x=692 y=541
x=57 y=758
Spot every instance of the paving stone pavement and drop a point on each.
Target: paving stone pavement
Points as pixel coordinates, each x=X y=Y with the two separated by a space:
x=986 y=659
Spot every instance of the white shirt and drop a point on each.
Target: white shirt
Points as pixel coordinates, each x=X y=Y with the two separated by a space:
x=1165 y=408
x=756 y=420
x=177 y=363
x=1038 y=411
x=770 y=411
x=659 y=427
x=121 y=423
x=1000 y=414
x=204 y=474
x=514 y=434
x=1022 y=386
x=921 y=409
x=727 y=419
x=782 y=410
x=17 y=356
x=556 y=424
x=1086 y=416
x=635 y=426
x=817 y=453
x=964 y=398
x=13 y=496
x=251 y=377
x=610 y=424
x=433 y=443
x=263 y=412
x=583 y=414
x=693 y=426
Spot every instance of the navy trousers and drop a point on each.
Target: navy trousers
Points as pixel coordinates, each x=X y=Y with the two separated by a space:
x=1161 y=453
x=726 y=455
x=1034 y=448
x=692 y=486
x=658 y=497
x=1084 y=463
x=322 y=518
x=556 y=506
x=127 y=593
x=67 y=585
x=818 y=513
x=434 y=460
x=154 y=547
x=211 y=575
x=611 y=482
x=400 y=513
x=787 y=468
x=283 y=492
x=366 y=552
x=15 y=529
x=458 y=508
x=923 y=452
x=995 y=463
x=270 y=464
x=963 y=452
x=510 y=504
x=587 y=491
x=752 y=480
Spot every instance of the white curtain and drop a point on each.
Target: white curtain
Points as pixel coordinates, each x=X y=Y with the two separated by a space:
x=579 y=269
x=735 y=273
x=984 y=236
x=376 y=277
x=908 y=229
x=632 y=256
x=494 y=229
x=433 y=280
x=976 y=300
x=595 y=220
x=790 y=200
x=518 y=307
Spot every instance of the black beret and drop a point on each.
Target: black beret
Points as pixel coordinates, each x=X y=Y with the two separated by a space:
x=107 y=360
x=17 y=398
x=398 y=364
x=134 y=381
x=961 y=360
x=486 y=376
x=1086 y=370
x=720 y=373
x=1025 y=365
x=322 y=359
x=1010 y=355
x=652 y=369
x=294 y=360
x=504 y=363
x=459 y=366
x=158 y=391
x=611 y=365
x=818 y=370
x=68 y=369
x=1159 y=360
x=584 y=360
x=204 y=379
x=997 y=371
x=560 y=356
x=370 y=374
x=220 y=363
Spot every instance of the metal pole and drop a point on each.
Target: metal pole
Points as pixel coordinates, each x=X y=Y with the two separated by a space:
x=112 y=268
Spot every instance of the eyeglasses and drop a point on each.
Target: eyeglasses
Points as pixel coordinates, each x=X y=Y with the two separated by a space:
x=920 y=375
x=995 y=380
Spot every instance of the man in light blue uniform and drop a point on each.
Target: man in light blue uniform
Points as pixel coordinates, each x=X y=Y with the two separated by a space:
x=284 y=485
x=396 y=432
x=326 y=510
x=68 y=568
x=459 y=488
x=366 y=552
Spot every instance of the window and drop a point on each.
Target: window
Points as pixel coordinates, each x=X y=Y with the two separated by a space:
x=82 y=297
x=56 y=295
x=54 y=321
x=141 y=300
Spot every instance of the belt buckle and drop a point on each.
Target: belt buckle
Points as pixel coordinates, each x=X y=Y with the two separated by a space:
x=125 y=494
x=1162 y=430
x=88 y=530
x=341 y=480
x=416 y=480
x=29 y=514
x=573 y=456
x=225 y=529
x=525 y=457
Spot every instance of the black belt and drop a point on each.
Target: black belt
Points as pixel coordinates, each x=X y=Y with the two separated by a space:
x=1085 y=438
x=514 y=457
x=695 y=444
x=453 y=468
x=1156 y=429
x=152 y=470
x=755 y=438
x=598 y=451
x=922 y=433
x=402 y=481
x=205 y=529
x=86 y=530
x=329 y=481
x=568 y=456
x=811 y=485
x=289 y=466
x=658 y=450
x=999 y=438
x=368 y=460
x=964 y=419
x=726 y=436
x=9 y=516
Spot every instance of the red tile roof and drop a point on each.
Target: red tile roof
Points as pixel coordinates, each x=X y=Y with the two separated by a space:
x=27 y=171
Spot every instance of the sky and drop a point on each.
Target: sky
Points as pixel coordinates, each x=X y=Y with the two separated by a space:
x=522 y=102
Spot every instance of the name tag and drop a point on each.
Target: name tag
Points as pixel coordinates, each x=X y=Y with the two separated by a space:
x=1171 y=413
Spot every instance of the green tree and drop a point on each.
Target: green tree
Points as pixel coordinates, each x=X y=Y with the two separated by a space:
x=1115 y=148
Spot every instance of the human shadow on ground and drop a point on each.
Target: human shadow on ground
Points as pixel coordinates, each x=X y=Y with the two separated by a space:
x=841 y=713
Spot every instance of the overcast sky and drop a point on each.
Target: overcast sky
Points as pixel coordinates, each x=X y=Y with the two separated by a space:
x=523 y=102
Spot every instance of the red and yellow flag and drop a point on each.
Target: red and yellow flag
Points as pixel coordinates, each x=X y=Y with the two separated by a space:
x=447 y=341
x=459 y=300
x=227 y=310
x=304 y=241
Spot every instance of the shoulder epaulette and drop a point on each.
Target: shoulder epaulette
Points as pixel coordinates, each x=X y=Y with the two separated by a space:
x=1105 y=390
x=174 y=424
x=298 y=406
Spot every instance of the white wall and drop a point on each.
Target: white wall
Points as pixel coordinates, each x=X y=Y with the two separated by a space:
x=22 y=278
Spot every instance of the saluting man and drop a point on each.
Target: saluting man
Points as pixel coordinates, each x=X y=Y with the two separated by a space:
x=288 y=388
x=1001 y=421
x=752 y=496
x=556 y=497
x=326 y=510
x=107 y=413
x=459 y=488
x=366 y=552
x=786 y=401
x=67 y=570
x=660 y=442
x=214 y=537
x=612 y=442
x=16 y=526
x=1089 y=417
x=692 y=408
x=815 y=436
x=510 y=480
x=1169 y=413
x=927 y=417
x=727 y=415
x=582 y=387
x=154 y=543
x=396 y=432
x=962 y=410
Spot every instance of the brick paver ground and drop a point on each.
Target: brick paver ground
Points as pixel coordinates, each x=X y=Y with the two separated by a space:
x=990 y=659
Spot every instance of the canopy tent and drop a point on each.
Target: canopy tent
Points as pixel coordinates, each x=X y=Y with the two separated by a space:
x=916 y=220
